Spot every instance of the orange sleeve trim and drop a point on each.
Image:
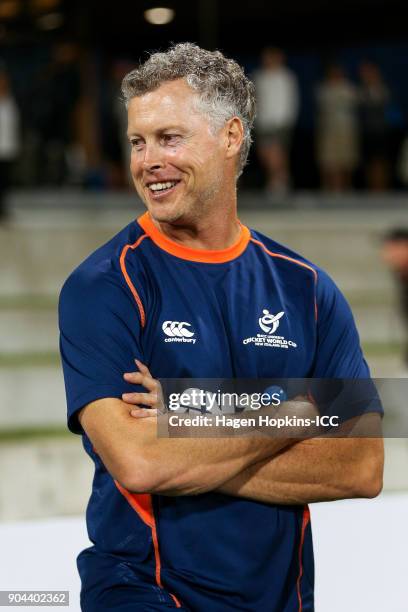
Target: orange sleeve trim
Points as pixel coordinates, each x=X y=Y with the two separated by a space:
x=305 y=522
x=295 y=261
x=143 y=506
x=128 y=280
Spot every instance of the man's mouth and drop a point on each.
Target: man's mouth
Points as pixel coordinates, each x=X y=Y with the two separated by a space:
x=162 y=188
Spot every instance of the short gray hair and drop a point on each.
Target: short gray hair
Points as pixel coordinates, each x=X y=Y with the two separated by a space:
x=224 y=90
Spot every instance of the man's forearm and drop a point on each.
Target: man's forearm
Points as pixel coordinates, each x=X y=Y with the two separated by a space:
x=145 y=463
x=314 y=470
x=185 y=466
x=190 y=466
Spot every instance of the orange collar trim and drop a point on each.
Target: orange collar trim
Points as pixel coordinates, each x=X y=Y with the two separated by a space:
x=201 y=255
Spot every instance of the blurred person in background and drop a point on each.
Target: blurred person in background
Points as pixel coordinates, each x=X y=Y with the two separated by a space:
x=9 y=136
x=115 y=143
x=374 y=98
x=278 y=107
x=53 y=102
x=395 y=254
x=337 y=139
x=402 y=162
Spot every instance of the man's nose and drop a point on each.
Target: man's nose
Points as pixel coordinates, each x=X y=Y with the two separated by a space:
x=153 y=157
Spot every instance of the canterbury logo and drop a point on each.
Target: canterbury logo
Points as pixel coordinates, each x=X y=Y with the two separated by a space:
x=177 y=329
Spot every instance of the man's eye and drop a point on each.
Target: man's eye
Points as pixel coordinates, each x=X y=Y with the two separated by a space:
x=136 y=143
x=170 y=138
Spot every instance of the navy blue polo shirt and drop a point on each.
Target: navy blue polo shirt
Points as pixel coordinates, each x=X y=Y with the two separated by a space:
x=138 y=296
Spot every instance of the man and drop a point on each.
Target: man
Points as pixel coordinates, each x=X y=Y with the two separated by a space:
x=394 y=253
x=337 y=137
x=9 y=136
x=278 y=108
x=200 y=524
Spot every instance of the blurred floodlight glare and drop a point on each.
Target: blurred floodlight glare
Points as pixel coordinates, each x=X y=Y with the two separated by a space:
x=159 y=15
x=39 y=6
x=9 y=9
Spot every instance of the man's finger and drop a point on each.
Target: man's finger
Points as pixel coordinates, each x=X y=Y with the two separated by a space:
x=143 y=368
x=137 y=378
x=150 y=399
x=133 y=377
x=141 y=413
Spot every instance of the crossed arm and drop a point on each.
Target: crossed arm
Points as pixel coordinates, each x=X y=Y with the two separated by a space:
x=144 y=463
x=314 y=470
x=272 y=470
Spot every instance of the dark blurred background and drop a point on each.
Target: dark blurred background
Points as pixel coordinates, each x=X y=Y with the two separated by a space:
x=341 y=67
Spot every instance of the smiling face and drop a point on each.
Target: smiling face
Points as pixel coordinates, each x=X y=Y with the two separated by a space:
x=181 y=166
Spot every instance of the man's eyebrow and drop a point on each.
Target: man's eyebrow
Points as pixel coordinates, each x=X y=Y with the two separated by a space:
x=160 y=130
x=130 y=134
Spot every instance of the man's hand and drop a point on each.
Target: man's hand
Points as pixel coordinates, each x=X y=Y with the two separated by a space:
x=153 y=398
x=298 y=407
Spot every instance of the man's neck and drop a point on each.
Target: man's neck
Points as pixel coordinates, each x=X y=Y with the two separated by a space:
x=215 y=231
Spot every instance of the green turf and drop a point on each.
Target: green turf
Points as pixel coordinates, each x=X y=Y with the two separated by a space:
x=32 y=359
x=382 y=349
x=28 y=302
x=33 y=433
x=371 y=298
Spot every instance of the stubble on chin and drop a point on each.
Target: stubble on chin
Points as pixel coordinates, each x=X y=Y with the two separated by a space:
x=163 y=215
x=188 y=210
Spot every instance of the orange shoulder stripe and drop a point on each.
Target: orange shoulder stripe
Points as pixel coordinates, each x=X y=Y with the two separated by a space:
x=127 y=277
x=291 y=259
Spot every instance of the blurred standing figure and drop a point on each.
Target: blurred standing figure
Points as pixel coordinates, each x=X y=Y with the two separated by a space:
x=54 y=100
x=9 y=135
x=117 y=151
x=278 y=105
x=374 y=97
x=337 y=130
x=395 y=255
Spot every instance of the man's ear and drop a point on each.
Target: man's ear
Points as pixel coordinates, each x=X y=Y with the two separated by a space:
x=234 y=131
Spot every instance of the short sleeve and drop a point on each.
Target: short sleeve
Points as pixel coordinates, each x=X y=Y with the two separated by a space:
x=99 y=339
x=338 y=352
x=339 y=356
